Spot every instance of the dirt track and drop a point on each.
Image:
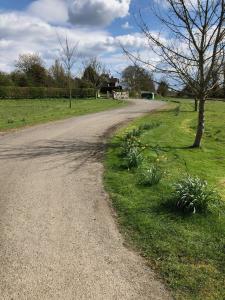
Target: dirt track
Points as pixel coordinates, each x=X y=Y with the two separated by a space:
x=58 y=239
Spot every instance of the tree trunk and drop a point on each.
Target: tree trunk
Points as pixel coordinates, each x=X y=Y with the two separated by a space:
x=196 y=104
x=201 y=124
x=70 y=92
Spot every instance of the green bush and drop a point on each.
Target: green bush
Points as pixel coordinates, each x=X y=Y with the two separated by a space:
x=133 y=158
x=43 y=92
x=193 y=195
x=149 y=176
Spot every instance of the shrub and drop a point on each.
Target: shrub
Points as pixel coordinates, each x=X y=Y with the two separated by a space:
x=15 y=92
x=133 y=158
x=150 y=176
x=191 y=194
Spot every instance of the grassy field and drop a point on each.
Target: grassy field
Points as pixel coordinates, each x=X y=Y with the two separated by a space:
x=188 y=251
x=20 y=113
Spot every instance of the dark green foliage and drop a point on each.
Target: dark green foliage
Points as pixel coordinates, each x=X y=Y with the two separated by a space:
x=42 y=92
x=163 y=88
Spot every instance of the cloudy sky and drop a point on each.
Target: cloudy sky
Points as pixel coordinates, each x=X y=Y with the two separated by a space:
x=32 y=26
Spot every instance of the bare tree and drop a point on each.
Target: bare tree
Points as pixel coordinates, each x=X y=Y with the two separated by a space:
x=195 y=50
x=68 y=56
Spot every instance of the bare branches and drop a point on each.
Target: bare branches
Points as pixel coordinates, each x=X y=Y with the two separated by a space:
x=68 y=55
x=195 y=49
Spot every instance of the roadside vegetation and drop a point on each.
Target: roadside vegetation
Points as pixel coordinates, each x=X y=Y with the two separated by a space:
x=21 y=113
x=169 y=197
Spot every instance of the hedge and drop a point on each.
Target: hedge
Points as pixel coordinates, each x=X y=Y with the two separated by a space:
x=42 y=92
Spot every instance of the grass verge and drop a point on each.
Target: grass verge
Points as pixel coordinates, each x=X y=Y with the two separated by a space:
x=188 y=251
x=21 y=113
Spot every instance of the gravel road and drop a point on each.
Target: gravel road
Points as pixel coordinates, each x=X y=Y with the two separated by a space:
x=58 y=237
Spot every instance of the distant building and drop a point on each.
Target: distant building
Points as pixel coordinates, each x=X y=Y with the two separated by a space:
x=110 y=85
x=147 y=95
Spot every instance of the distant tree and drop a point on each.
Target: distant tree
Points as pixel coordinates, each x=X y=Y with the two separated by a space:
x=95 y=73
x=32 y=66
x=19 y=79
x=68 y=54
x=138 y=79
x=58 y=74
x=163 y=88
x=5 y=79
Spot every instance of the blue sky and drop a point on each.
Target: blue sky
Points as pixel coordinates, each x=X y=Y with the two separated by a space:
x=99 y=26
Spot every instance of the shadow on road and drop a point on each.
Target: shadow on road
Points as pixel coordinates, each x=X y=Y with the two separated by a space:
x=63 y=151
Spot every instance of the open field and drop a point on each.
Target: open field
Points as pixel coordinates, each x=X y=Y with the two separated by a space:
x=187 y=250
x=21 y=113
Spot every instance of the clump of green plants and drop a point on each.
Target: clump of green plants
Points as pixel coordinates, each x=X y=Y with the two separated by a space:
x=133 y=158
x=136 y=132
x=177 y=111
x=149 y=176
x=10 y=121
x=128 y=144
x=194 y=195
x=149 y=126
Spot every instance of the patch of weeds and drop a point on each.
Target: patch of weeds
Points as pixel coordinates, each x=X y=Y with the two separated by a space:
x=10 y=121
x=149 y=126
x=134 y=158
x=177 y=111
x=149 y=176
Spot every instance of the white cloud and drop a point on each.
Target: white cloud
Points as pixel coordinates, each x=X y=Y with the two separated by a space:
x=54 y=11
x=80 y=12
x=127 y=25
x=37 y=36
x=97 y=12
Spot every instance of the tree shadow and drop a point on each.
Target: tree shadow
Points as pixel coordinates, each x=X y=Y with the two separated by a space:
x=76 y=152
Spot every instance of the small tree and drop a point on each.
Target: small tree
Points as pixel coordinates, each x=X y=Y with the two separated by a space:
x=194 y=50
x=68 y=56
x=32 y=66
x=58 y=74
x=95 y=73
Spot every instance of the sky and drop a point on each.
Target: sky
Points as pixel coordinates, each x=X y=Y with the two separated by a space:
x=98 y=26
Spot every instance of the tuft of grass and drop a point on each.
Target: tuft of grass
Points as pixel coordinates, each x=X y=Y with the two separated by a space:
x=193 y=195
x=149 y=176
x=188 y=251
x=18 y=113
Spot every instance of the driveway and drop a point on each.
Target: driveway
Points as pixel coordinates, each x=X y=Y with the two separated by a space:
x=58 y=237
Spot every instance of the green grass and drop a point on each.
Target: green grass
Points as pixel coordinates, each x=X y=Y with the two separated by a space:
x=20 y=113
x=187 y=251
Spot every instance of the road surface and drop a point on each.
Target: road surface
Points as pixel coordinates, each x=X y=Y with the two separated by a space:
x=58 y=237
